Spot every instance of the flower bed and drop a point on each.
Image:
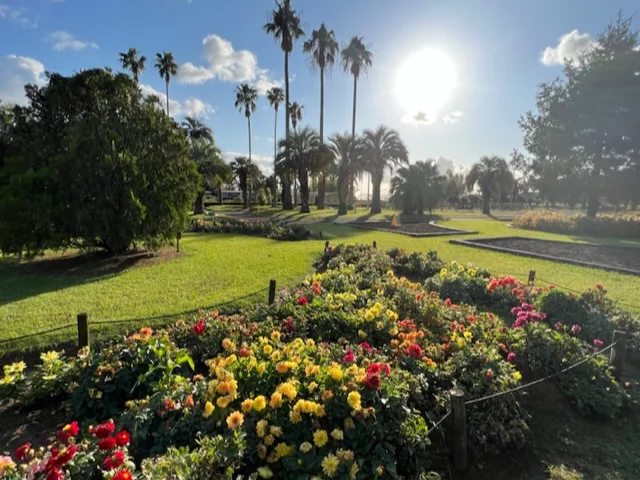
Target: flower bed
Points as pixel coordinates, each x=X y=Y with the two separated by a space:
x=620 y=226
x=342 y=377
x=273 y=230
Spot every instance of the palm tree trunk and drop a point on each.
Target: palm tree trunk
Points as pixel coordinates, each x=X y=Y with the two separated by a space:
x=249 y=124
x=353 y=134
x=167 y=89
x=375 y=197
x=220 y=192
x=274 y=200
x=286 y=199
x=198 y=207
x=304 y=192
x=342 y=195
x=486 y=203
x=321 y=180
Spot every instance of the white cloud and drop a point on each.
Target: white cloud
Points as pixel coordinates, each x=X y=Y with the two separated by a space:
x=15 y=73
x=419 y=118
x=453 y=117
x=65 y=41
x=17 y=15
x=445 y=164
x=570 y=46
x=227 y=64
x=191 y=107
x=264 y=162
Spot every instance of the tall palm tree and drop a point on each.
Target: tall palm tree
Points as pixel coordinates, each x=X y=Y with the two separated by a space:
x=167 y=68
x=246 y=98
x=211 y=166
x=356 y=58
x=304 y=159
x=489 y=174
x=323 y=49
x=295 y=111
x=195 y=129
x=133 y=62
x=285 y=26
x=275 y=95
x=348 y=154
x=241 y=168
x=384 y=151
x=417 y=187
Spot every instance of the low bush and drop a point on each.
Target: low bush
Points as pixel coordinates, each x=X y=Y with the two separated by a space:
x=622 y=226
x=273 y=230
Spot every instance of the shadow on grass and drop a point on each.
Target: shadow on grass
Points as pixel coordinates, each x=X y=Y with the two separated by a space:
x=22 y=280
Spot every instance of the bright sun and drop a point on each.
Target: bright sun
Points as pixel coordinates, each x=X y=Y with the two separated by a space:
x=425 y=83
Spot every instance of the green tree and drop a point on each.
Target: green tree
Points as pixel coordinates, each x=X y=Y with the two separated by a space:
x=586 y=123
x=384 y=151
x=167 y=68
x=91 y=164
x=212 y=168
x=417 y=187
x=295 y=112
x=195 y=129
x=348 y=154
x=304 y=159
x=275 y=95
x=241 y=168
x=246 y=98
x=490 y=173
x=454 y=188
x=286 y=26
x=133 y=62
x=323 y=49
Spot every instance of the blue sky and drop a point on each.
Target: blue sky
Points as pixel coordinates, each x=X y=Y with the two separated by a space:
x=497 y=47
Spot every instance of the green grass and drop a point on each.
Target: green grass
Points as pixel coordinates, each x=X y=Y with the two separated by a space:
x=218 y=268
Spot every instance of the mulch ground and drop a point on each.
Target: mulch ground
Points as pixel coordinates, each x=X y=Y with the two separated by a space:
x=424 y=228
x=606 y=256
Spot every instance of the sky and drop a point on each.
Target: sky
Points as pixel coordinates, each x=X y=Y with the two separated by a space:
x=499 y=50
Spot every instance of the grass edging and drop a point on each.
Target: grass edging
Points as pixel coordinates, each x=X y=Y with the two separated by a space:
x=474 y=243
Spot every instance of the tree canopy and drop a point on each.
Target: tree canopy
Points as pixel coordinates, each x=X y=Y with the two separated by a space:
x=92 y=164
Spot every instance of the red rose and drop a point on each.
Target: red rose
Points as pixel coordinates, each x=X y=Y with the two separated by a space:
x=67 y=455
x=349 y=357
x=123 y=438
x=414 y=350
x=123 y=475
x=198 y=328
x=366 y=347
x=68 y=431
x=104 y=430
x=302 y=301
x=55 y=474
x=108 y=443
x=21 y=452
x=114 y=461
x=372 y=382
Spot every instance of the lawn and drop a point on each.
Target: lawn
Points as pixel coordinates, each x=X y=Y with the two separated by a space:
x=217 y=268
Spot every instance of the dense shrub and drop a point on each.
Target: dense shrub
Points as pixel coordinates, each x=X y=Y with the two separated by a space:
x=622 y=226
x=273 y=230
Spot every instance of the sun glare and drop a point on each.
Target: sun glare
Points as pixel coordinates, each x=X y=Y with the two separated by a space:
x=425 y=83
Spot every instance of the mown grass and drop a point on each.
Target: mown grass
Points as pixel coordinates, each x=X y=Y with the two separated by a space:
x=217 y=268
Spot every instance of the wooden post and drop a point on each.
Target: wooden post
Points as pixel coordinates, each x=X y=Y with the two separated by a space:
x=617 y=352
x=459 y=430
x=83 y=330
x=532 y=277
x=272 y=291
x=375 y=244
x=178 y=237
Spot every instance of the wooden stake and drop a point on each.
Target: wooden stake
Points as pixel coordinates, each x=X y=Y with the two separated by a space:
x=83 y=330
x=272 y=291
x=616 y=360
x=459 y=430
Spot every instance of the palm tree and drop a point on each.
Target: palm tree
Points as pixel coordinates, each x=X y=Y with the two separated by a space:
x=241 y=168
x=133 y=62
x=211 y=166
x=255 y=180
x=417 y=187
x=275 y=96
x=295 y=111
x=348 y=154
x=167 y=68
x=246 y=98
x=195 y=129
x=304 y=159
x=285 y=26
x=324 y=49
x=384 y=150
x=356 y=58
x=489 y=173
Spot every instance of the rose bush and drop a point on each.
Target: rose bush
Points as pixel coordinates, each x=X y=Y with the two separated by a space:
x=273 y=230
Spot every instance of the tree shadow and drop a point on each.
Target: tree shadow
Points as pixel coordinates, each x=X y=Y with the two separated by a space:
x=22 y=280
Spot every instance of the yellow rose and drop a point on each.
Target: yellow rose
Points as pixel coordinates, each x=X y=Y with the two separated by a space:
x=261 y=428
x=312 y=386
x=269 y=440
x=208 y=409
x=259 y=403
x=267 y=349
x=354 y=399
x=306 y=447
x=246 y=405
x=337 y=434
x=223 y=402
x=276 y=400
x=335 y=372
x=320 y=438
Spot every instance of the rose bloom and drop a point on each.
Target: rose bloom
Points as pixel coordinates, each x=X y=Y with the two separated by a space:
x=104 y=430
x=108 y=443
